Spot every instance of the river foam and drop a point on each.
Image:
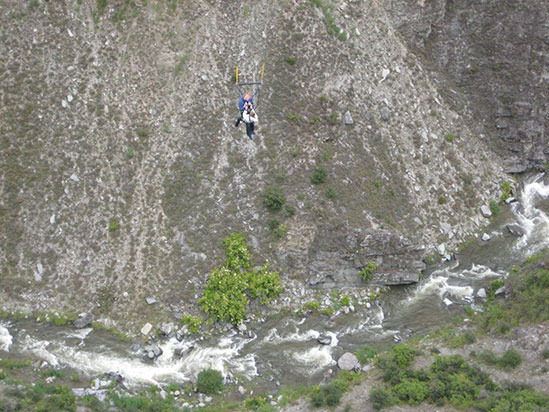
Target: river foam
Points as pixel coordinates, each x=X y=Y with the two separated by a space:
x=532 y=219
x=5 y=338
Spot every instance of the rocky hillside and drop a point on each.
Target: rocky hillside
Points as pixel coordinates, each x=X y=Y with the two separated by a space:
x=496 y=53
x=122 y=170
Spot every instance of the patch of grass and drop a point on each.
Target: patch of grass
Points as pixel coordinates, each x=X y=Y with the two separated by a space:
x=114 y=225
x=449 y=137
x=291 y=61
x=331 y=192
x=365 y=353
x=130 y=153
x=506 y=189
x=289 y=210
x=294 y=118
x=329 y=395
x=441 y=200
x=494 y=207
x=332 y=119
x=193 y=322
x=101 y=5
x=367 y=271
x=319 y=176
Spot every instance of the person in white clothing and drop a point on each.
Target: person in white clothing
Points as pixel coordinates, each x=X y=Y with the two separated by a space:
x=250 y=118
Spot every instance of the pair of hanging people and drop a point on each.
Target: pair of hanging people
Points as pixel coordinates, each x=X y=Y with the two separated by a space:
x=248 y=114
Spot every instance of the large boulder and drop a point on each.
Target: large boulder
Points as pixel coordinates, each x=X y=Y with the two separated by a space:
x=348 y=362
x=82 y=321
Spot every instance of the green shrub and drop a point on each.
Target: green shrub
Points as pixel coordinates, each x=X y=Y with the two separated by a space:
x=403 y=355
x=345 y=301
x=510 y=359
x=209 y=381
x=367 y=271
x=332 y=394
x=411 y=391
x=441 y=200
x=237 y=252
x=381 y=397
x=329 y=395
x=449 y=138
x=225 y=296
x=264 y=285
x=545 y=354
x=319 y=176
x=317 y=398
x=273 y=199
x=62 y=400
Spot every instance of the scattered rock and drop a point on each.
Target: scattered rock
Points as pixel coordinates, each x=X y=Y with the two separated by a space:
x=74 y=178
x=441 y=249
x=510 y=200
x=348 y=119
x=486 y=237
x=500 y=291
x=115 y=375
x=515 y=230
x=146 y=329
x=485 y=211
x=166 y=328
x=348 y=362
x=385 y=113
x=241 y=327
x=324 y=339
x=82 y=321
x=150 y=300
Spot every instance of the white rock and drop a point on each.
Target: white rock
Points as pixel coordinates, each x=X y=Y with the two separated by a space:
x=64 y=103
x=348 y=119
x=485 y=211
x=241 y=390
x=69 y=98
x=368 y=305
x=441 y=249
x=348 y=361
x=70 y=33
x=384 y=74
x=486 y=237
x=481 y=293
x=146 y=329
x=40 y=268
x=447 y=302
x=74 y=178
x=150 y=300
x=52 y=219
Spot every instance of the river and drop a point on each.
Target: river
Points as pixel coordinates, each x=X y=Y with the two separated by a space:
x=284 y=350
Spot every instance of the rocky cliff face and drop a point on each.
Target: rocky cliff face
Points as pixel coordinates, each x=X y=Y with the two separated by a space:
x=496 y=52
x=122 y=169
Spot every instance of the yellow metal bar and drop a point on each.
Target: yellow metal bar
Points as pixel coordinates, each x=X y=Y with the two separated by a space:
x=237 y=74
x=262 y=71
